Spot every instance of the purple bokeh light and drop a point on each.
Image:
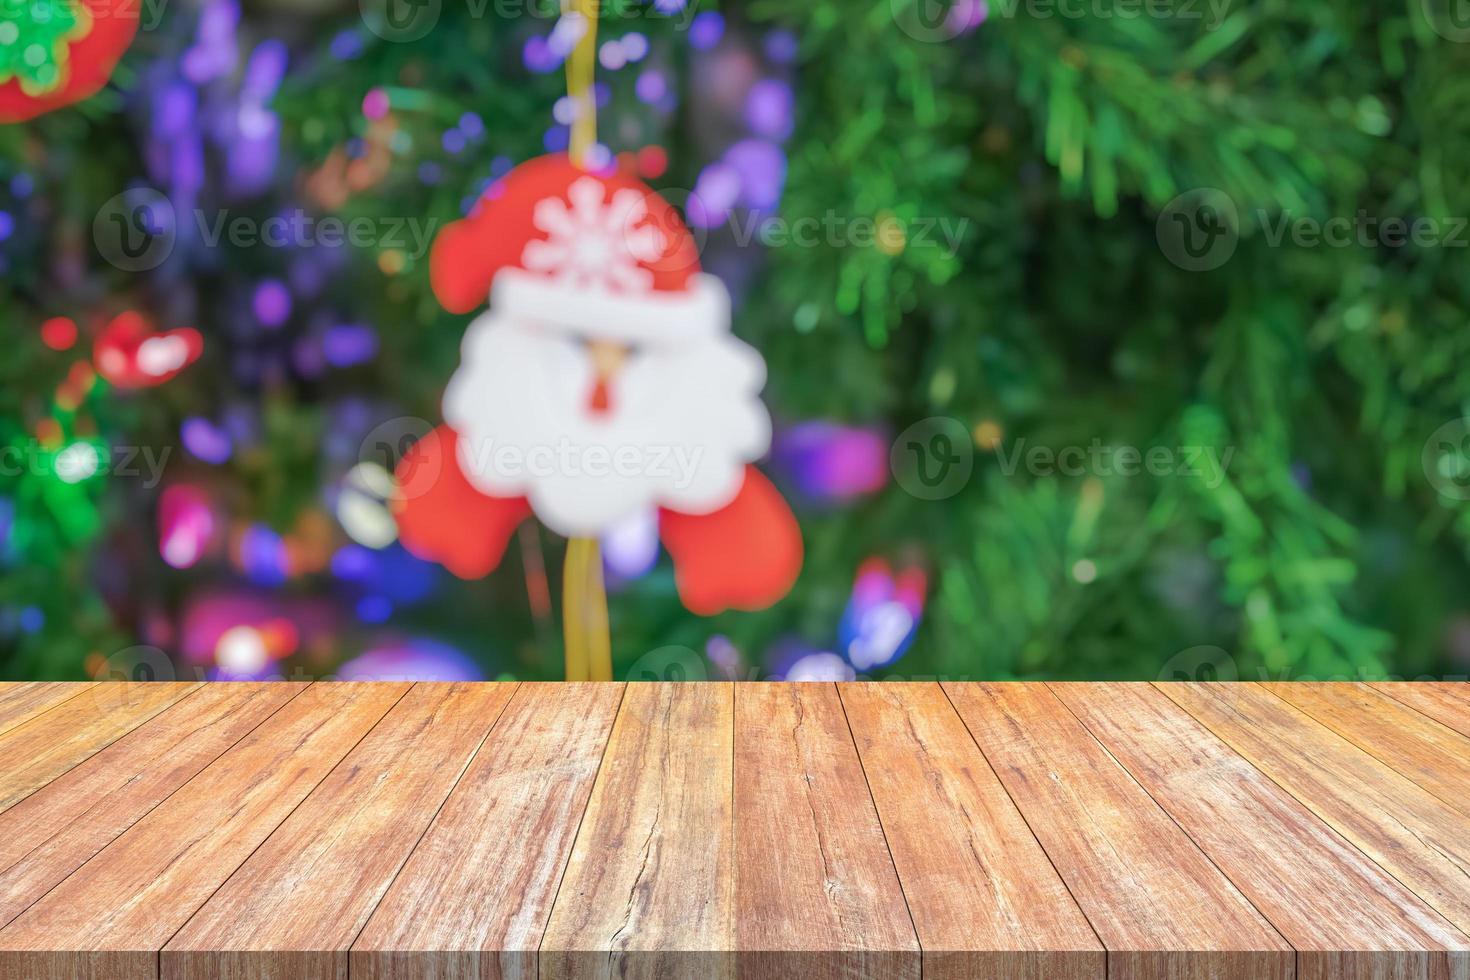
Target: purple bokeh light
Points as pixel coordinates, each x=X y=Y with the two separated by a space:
x=706 y=30
x=206 y=441
x=781 y=47
x=760 y=167
x=651 y=86
x=715 y=194
x=769 y=109
x=349 y=344
x=271 y=303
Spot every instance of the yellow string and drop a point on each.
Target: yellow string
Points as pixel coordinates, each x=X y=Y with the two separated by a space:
x=581 y=67
x=584 y=613
x=584 y=596
x=573 y=609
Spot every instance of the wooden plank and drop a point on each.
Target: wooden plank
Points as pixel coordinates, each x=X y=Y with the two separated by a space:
x=985 y=899
x=111 y=917
x=57 y=829
x=1163 y=911
x=20 y=702
x=294 y=908
x=1345 y=916
x=1435 y=757
x=34 y=753
x=649 y=889
x=1410 y=833
x=1446 y=703
x=816 y=892
x=474 y=898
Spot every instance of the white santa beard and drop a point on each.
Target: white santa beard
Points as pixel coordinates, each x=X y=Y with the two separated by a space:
x=684 y=419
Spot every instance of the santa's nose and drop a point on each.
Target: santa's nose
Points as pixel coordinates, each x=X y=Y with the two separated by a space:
x=607 y=359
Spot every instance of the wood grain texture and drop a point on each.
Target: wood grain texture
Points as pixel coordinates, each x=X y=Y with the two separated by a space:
x=1347 y=918
x=816 y=892
x=1446 y=703
x=1416 y=746
x=111 y=917
x=20 y=702
x=649 y=889
x=1163 y=911
x=294 y=908
x=36 y=752
x=746 y=832
x=1410 y=833
x=474 y=899
x=57 y=829
x=985 y=899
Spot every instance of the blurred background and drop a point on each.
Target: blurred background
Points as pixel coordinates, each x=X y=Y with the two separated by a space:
x=1107 y=338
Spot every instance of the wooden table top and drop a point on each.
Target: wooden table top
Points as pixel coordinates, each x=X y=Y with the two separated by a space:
x=964 y=831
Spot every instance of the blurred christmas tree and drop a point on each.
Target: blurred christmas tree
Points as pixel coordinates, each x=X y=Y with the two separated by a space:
x=1047 y=259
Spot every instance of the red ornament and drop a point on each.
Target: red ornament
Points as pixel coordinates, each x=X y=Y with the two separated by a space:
x=59 y=333
x=602 y=382
x=129 y=354
x=66 y=51
x=653 y=162
x=437 y=507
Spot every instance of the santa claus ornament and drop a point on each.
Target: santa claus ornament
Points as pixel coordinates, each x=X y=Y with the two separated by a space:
x=602 y=382
x=56 y=52
x=601 y=387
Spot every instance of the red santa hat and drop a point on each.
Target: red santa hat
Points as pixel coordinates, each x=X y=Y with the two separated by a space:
x=585 y=252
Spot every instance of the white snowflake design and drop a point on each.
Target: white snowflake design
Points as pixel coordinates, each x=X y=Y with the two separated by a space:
x=593 y=244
